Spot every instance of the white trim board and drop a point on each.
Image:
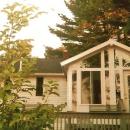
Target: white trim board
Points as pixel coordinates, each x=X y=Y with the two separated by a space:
x=48 y=74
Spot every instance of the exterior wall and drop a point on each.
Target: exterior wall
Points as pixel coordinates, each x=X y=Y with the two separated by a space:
x=53 y=99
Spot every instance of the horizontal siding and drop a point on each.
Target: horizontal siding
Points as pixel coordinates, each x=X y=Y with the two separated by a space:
x=53 y=99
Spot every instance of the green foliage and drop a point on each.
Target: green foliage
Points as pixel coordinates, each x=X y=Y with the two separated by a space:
x=14 y=51
x=51 y=53
x=93 y=22
x=51 y=88
x=16 y=65
x=38 y=118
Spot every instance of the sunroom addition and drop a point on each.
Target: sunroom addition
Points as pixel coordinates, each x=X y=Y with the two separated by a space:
x=99 y=78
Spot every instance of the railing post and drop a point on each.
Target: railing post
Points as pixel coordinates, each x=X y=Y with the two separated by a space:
x=123 y=123
x=69 y=123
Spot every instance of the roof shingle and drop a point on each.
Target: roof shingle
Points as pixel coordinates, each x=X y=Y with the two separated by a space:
x=48 y=66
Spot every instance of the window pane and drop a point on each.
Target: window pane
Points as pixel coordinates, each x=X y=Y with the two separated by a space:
x=125 y=58
x=92 y=62
x=117 y=83
x=74 y=90
x=116 y=58
x=126 y=62
x=96 y=87
x=91 y=87
x=106 y=59
x=129 y=81
x=39 y=86
x=107 y=86
x=85 y=87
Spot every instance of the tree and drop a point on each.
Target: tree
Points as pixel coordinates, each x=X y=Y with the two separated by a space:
x=93 y=22
x=14 y=51
x=122 y=4
x=16 y=64
x=59 y=53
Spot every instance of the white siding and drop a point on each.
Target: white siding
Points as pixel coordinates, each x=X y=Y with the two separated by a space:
x=53 y=99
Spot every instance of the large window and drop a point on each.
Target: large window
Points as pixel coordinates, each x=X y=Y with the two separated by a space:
x=92 y=62
x=91 y=87
x=39 y=86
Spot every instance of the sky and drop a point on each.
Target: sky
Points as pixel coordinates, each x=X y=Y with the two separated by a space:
x=38 y=30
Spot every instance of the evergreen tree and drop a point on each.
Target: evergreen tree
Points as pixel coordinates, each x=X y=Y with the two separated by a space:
x=93 y=22
x=58 y=53
x=51 y=53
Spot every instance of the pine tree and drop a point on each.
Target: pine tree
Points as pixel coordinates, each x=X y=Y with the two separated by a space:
x=93 y=22
x=51 y=53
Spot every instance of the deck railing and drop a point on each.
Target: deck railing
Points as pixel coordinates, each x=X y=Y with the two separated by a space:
x=92 y=121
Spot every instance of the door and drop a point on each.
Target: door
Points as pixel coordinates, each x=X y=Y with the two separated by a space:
x=127 y=90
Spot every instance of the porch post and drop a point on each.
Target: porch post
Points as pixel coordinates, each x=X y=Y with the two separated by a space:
x=112 y=77
x=69 y=90
x=103 y=88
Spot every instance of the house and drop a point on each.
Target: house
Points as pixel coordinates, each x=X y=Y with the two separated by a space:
x=97 y=79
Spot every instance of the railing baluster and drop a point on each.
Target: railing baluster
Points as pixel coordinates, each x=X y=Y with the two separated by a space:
x=65 y=123
x=128 y=124
x=76 y=121
x=92 y=121
x=57 y=124
x=96 y=123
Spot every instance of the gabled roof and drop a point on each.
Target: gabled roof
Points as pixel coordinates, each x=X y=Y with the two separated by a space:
x=48 y=66
x=45 y=67
x=110 y=42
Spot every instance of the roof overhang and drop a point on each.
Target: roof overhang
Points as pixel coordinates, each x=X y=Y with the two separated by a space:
x=109 y=43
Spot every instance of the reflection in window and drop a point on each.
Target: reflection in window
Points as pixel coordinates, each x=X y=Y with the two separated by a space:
x=129 y=81
x=74 y=90
x=117 y=81
x=96 y=87
x=116 y=58
x=106 y=59
x=117 y=78
x=107 y=86
x=91 y=87
x=126 y=63
x=92 y=62
x=85 y=88
x=116 y=62
x=125 y=58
